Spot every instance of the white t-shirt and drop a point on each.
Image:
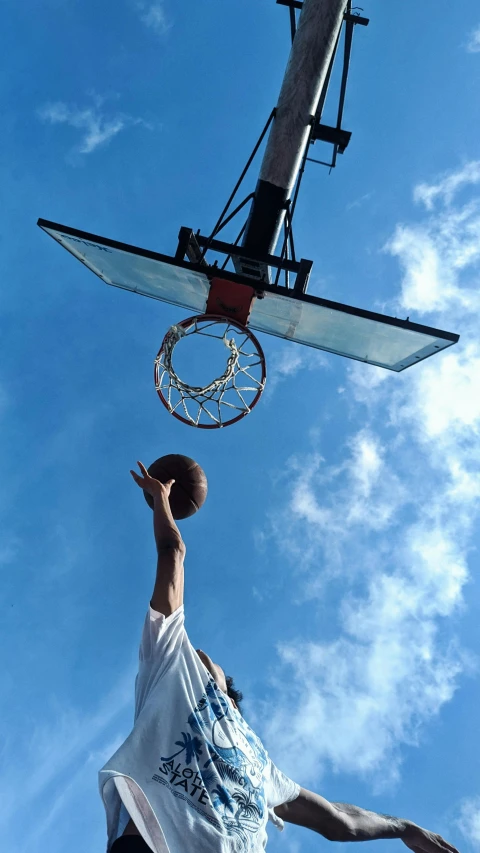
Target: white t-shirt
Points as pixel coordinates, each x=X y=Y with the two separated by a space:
x=192 y=774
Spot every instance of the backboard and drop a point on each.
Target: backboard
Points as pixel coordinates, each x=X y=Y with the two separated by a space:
x=276 y=310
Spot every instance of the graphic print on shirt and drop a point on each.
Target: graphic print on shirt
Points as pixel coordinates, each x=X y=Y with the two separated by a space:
x=225 y=783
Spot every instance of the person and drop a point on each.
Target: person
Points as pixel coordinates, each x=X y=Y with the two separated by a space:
x=192 y=776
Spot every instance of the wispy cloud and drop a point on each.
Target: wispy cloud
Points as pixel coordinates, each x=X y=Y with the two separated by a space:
x=438 y=254
x=9 y=549
x=359 y=202
x=473 y=43
x=4 y=401
x=71 y=792
x=393 y=522
x=469 y=820
x=57 y=745
x=60 y=742
x=53 y=747
x=153 y=16
x=289 y=360
x=97 y=128
x=447 y=185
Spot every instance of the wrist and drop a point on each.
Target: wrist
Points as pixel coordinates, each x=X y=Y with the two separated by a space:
x=408 y=830
x=164 y=526
x=162 y=511
x=160 y=498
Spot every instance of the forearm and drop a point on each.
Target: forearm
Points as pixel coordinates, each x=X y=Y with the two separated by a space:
x=339 y=821
x=364 y=825
x=342 y=822
x=167 y=535
x=168 y=590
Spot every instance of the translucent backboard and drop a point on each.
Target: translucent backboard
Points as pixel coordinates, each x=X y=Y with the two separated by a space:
x=341 y=329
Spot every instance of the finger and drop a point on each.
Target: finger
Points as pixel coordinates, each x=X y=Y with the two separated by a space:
x=170 y=483
x=139 y=480
x=143 y=469
x=442 y=844
x=447 y=846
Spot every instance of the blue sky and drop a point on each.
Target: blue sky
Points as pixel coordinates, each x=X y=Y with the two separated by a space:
x=334 y=568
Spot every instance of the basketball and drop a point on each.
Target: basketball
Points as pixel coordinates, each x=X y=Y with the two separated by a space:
x=190 y=487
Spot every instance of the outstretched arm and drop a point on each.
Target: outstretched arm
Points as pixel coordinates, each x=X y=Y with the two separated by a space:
x=168 y=590
x=343 y=822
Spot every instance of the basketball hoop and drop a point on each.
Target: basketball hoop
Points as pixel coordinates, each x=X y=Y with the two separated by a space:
x=225 y=400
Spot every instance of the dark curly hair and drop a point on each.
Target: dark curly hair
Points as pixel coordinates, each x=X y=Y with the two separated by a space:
x=234 y=694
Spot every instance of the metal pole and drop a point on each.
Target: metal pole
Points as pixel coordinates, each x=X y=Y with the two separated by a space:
x=317 y=32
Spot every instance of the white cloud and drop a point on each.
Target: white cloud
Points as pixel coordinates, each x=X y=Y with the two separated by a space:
x=426 y=284
x=288 y=361
x=327 y=503
x=97 y=129
x=448 y=184
x=436 y=254
x=366 y=381
x=469 y=820
x=153 y=16
x=473 y=44
x=444 y=399
x=361 y=478
x=392 y=523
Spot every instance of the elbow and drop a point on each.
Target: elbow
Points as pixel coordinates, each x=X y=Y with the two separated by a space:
x=350 y=830
x=170 y=545
x=342 y=829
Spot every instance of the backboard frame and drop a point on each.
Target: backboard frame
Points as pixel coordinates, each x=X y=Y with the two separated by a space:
x=261 y=288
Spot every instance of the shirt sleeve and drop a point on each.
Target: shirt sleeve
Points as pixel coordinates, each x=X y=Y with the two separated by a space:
x=160 y=645
x=279 y=789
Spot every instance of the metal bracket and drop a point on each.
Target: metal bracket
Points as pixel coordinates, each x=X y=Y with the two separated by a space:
x=335 y=135
x=190 y=245
x=348 y=16
x=356 y=19
x=294 y=4
x=303 y=275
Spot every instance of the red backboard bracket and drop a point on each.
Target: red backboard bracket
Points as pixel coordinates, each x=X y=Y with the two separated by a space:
x=230 y=299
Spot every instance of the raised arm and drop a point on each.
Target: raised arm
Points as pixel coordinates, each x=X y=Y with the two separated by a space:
x=343 y=822
x=168 y=590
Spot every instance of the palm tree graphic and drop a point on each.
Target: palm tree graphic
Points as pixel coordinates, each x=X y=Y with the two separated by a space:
x=223 y=797
x=192 y=746
x=246 y=805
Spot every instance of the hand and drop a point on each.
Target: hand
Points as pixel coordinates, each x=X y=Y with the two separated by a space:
x=154 y=487
x=422 y=841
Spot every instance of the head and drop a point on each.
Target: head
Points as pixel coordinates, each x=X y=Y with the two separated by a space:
x=225 y=682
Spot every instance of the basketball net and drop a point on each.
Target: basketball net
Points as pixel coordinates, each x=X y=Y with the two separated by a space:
x=224 y=400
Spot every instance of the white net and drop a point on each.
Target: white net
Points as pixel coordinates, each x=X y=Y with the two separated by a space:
x=224 y=400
